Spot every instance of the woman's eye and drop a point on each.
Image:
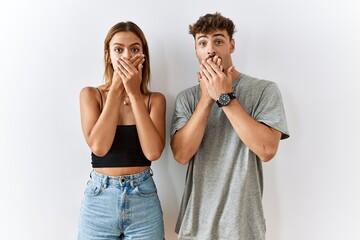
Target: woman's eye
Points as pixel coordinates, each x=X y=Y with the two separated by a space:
x=118 y=50
x=135 y=50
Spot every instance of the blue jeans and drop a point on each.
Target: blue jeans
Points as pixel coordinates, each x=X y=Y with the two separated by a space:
x=125 y=207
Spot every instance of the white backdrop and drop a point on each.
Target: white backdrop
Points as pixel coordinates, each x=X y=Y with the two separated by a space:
x=49 y=50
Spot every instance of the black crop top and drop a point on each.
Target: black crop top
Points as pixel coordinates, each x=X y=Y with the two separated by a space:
x=125 y=150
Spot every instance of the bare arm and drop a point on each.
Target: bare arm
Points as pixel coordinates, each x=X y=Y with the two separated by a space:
x=150 y=126
x=259 y=138
x=186 y=141
x=99 y=127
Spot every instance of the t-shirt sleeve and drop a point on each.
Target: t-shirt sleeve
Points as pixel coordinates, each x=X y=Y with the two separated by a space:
x=182 y=113
x=270 y=110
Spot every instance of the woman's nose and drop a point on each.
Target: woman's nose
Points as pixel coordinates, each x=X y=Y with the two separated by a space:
x=126 y=54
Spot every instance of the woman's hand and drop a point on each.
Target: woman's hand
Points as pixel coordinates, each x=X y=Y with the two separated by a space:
x=130 y=72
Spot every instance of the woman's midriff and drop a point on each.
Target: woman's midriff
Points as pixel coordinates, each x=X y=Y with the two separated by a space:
x=121 y=171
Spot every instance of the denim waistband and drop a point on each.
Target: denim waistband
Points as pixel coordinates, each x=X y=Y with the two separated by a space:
x=133 y=179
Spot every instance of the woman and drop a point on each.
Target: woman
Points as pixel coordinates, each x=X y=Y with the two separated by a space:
x=124 y=126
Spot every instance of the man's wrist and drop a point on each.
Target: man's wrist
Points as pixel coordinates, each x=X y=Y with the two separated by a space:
x=225 y=98
x=206 y=102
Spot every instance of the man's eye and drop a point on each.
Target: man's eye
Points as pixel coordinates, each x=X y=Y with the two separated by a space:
x=218 y=42
x=202 y=44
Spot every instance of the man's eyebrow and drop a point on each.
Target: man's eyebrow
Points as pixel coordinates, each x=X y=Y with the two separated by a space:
x=212 y=36
x=218 y=35
x=202 y=36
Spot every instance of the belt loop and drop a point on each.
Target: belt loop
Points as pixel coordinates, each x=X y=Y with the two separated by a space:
x=104 y=183
x=133 y=184
x=122 y=181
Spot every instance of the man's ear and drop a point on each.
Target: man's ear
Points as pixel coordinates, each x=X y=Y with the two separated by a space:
x=232 y=45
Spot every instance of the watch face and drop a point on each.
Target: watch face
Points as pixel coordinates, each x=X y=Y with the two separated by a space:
x=224 y=99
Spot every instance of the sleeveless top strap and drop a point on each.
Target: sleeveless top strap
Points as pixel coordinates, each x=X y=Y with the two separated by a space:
x=102 y=99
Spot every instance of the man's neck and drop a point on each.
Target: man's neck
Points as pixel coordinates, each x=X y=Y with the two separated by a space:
x=235 y=75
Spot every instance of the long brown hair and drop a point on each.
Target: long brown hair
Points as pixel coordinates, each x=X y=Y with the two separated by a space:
x=109 y=70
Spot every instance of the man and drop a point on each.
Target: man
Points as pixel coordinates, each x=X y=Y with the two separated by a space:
x=224 y=128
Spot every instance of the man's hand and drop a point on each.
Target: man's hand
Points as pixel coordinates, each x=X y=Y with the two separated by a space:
x=201 y=78
x=214 y=78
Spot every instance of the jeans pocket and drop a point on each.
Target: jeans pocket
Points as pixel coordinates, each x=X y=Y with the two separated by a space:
x=146 y=188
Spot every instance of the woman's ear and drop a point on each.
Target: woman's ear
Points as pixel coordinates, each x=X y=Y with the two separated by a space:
x=107 y=56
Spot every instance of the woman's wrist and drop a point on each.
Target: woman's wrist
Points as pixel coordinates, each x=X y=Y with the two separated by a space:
x=116 y=89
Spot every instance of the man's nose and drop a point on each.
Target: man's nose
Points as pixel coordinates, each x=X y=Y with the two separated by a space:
x=211 y=52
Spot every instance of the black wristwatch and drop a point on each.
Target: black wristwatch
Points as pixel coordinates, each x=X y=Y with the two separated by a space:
x=225 y=99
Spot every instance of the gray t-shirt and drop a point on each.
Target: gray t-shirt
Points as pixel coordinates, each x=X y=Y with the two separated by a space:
x=222 y=199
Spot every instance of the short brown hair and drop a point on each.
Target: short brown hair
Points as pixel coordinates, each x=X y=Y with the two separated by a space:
x=109 y=71
x=211 y=22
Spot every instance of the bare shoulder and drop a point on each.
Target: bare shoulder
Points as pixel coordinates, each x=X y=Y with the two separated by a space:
x=90 y=95
x=157 y=101
x=91 y=92
x=158 y=97
x=88 y=91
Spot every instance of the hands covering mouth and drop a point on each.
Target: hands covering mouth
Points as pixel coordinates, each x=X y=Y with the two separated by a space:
x=217 y=60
